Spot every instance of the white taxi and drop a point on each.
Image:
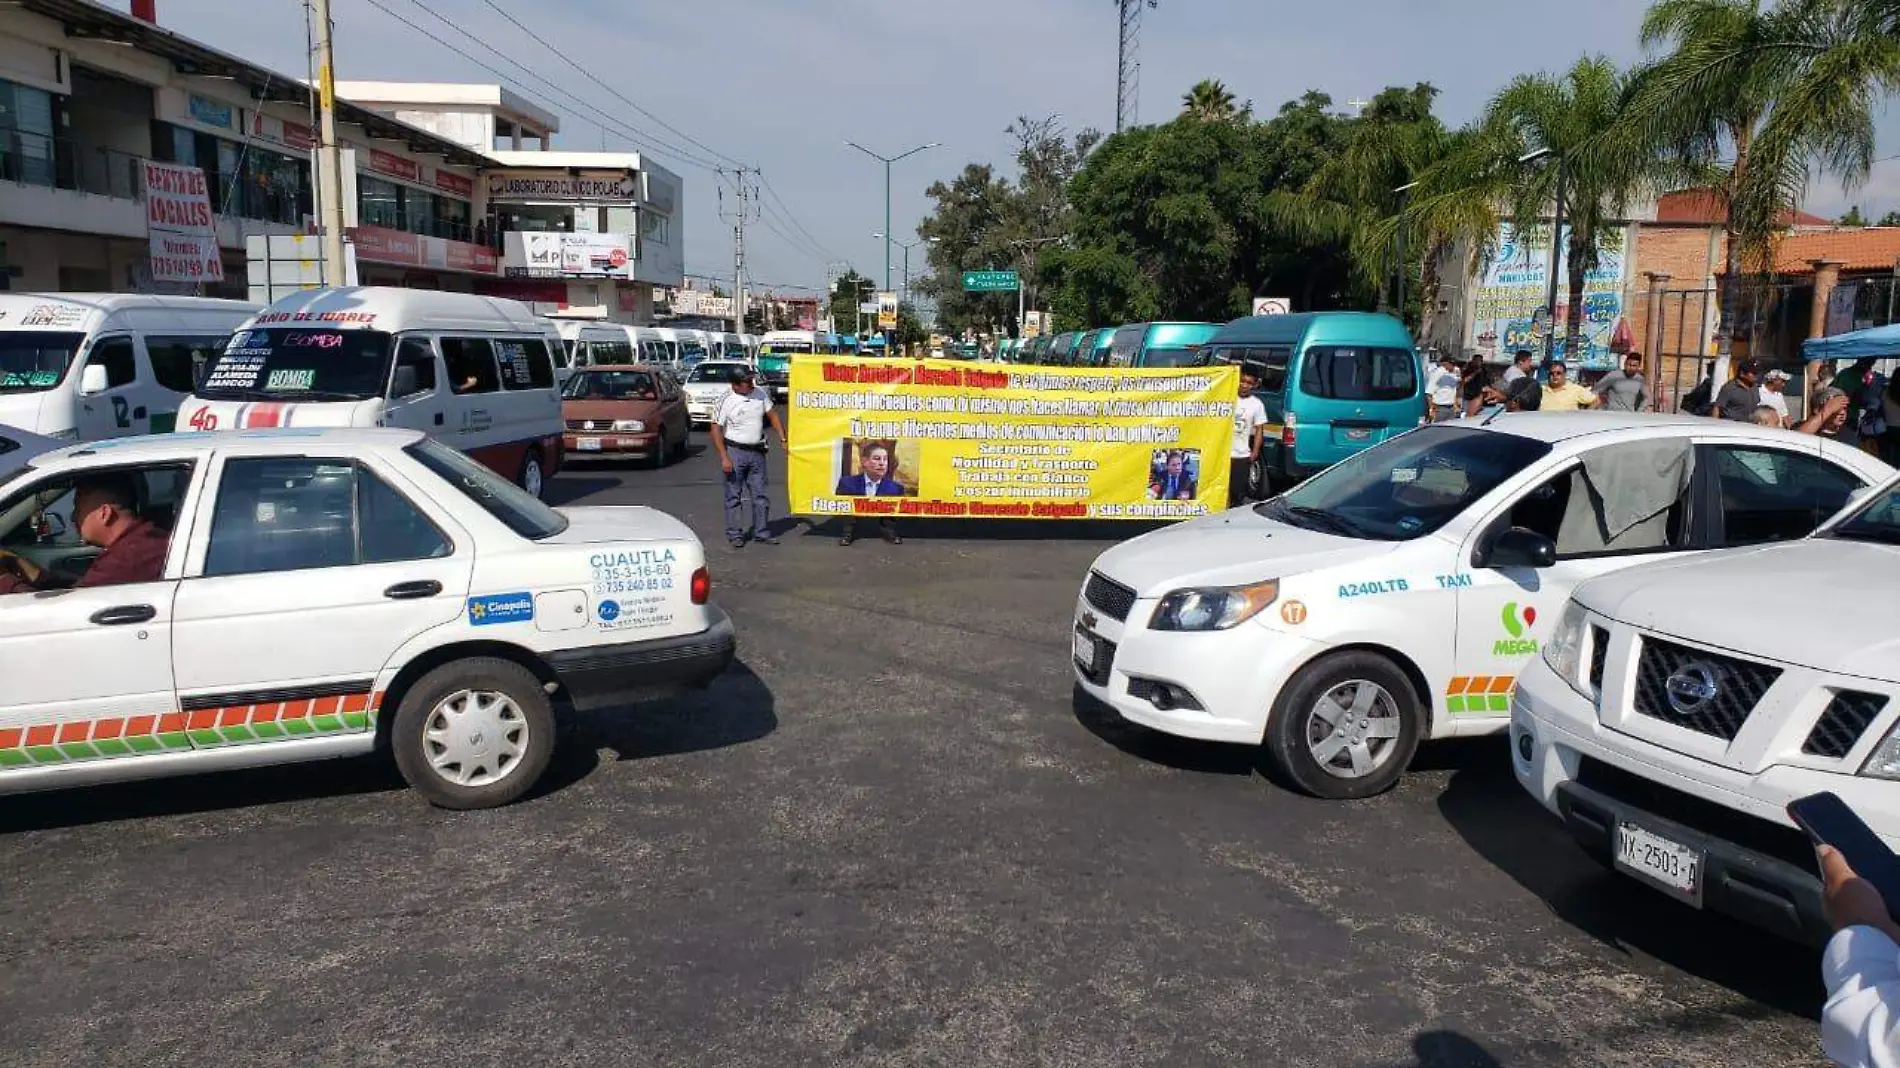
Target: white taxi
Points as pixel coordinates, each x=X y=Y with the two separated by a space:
x=1397 y=595
x=706 y=385
x=1672 y=719
x=293 y=595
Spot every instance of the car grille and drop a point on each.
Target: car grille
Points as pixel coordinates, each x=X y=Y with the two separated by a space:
x=1109 y=597
x=1599 y=649
x=588 y=424
x=1104 y=665
x=1737 y=687
x=1695 y=813
x=1847 y=718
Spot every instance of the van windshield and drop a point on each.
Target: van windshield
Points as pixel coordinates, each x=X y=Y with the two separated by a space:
x=1408 y=486
x=1172 y=356
x=33 y=361
x=287 y=363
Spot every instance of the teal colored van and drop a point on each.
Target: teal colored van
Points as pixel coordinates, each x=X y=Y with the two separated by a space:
x=1160 y=344
x=1059 y=349
x=1333 y=383
x=1099 y=346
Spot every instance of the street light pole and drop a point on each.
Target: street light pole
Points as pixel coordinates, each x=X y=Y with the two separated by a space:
x=1556 y=260
x=887 y=161
x=1405 y=198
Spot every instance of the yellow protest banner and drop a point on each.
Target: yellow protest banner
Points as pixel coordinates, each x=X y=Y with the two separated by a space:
x=949 y=438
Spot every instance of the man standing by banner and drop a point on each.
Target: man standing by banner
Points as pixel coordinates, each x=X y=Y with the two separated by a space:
x=1250 y=416
x=738 y=434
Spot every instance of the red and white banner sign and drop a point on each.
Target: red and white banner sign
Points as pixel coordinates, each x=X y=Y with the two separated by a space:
x=289 y=134
x=376 y=244
x=454 y=183
x=184 y=236
x=395 y=166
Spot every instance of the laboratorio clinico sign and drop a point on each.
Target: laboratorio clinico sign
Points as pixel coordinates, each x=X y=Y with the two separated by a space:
x=597 y=188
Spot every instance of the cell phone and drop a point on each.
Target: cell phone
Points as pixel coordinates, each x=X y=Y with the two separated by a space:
x=1827 y=820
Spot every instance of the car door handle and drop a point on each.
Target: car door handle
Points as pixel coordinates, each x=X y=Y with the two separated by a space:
x=412 y=591
x=438 y=419
x=139 y=412
x=125 y=614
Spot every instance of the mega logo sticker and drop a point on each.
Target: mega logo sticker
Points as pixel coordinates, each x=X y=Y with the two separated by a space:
x=500 y=608
x=1517 y=623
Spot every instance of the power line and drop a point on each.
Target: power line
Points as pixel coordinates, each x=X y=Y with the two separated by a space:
x=600 y=118
x=589 y=75
x=785 y=213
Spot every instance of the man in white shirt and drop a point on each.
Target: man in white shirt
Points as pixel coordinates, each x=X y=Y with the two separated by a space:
x=1773 y=386
x=1521 y=365
x=1443 y=384
x=1250 y=414
x=1860 y=1024
x=738 y=434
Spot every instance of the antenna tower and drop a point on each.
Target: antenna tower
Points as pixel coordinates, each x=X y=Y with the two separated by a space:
x=1128 y=63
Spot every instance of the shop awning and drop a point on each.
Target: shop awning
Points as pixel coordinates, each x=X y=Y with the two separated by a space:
x=1879 y=341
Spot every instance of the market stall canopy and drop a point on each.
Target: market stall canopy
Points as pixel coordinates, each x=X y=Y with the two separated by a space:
x=1878 y=341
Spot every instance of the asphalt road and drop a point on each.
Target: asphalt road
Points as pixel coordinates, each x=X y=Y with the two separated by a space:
x=889 y=836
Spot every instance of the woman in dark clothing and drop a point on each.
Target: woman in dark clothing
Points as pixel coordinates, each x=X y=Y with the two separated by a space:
x=1471 y=385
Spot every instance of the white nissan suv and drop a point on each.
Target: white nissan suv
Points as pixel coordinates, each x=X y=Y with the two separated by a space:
x=209 y=601
x=1679 y=707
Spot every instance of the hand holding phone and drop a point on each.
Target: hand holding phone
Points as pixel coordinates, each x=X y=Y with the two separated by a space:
x=1827 y=821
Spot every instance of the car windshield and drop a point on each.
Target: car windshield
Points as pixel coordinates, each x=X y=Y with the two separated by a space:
x=1406 y=487
x=611 y=385
x=714 y=372
x=785 y=348
x=1878 y=520
x=1172 y=356
x=32 y=361
x=514 y=506
x=299 y=364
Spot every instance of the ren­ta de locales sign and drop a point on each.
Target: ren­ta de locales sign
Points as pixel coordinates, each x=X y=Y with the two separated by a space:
x=178 y=220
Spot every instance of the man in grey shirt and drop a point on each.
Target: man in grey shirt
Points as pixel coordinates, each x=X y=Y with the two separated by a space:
x=1520 y=366
x=1625 y=390
x=1739 y=399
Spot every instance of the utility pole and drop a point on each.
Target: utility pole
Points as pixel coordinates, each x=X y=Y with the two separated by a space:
x=746 y=198
x=1556 y=258
x=329 y=156
x=1128 y=63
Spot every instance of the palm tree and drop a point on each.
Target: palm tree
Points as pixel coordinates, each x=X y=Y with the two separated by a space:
x=1566 y=118
x=1210 y=101
x=1756 y=98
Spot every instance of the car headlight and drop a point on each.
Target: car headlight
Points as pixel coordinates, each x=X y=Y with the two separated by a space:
x=1564 y=651
x=629 y=426
x=1214 y=607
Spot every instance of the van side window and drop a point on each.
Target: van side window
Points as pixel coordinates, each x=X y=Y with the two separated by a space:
x=471 y=364
x=176 y=360
x=116 y=356
x=415 y=353
x=524 y=363
x=1273 y=363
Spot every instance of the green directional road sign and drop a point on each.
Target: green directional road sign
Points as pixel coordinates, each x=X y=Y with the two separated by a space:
x=991 y=282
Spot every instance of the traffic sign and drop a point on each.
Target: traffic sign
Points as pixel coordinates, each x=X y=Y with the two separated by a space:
x=1272 y=305
x=991 y=282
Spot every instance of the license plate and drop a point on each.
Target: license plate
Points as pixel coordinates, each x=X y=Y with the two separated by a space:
x=1670 y=865
x=1358 y=435
x=1085 y=649
x=587 y=444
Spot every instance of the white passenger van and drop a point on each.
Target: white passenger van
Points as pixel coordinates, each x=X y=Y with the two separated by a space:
x=731 y=347
x=476 y=372
x=690 y=345
x=87 y=366
x=586 y=343
x=656 y=346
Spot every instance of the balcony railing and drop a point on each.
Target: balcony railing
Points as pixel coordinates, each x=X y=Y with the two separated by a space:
x=65 y=163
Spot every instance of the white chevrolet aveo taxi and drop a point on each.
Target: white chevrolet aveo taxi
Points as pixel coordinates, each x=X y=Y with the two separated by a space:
x=324 y=593
x=1397 y=595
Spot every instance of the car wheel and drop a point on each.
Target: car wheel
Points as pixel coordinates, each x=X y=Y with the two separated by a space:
x=1345 y=727
x=533 y=478
x=686 y=437
x=474 y=733
x=662 y=452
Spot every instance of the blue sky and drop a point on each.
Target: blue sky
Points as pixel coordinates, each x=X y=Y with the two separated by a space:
x=783 y=83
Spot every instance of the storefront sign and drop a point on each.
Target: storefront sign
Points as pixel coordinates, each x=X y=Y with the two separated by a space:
x=377 y=244
x=211 y=112
x=699 y=302
x=454 y=183
x=947 y=438
x=621 y=187
x=1513 y=288
x=183 y=234
x=561 y=255
x=394 y=166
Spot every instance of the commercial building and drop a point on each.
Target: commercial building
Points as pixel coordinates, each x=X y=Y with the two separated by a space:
x=90 y=95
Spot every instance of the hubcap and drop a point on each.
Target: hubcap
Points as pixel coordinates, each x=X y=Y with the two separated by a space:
x=531 y=477
x=475 y=737
x=1353 y=729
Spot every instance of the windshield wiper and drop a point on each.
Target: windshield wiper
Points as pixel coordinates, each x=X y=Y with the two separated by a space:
x=1330 y=521
x=1877 y=535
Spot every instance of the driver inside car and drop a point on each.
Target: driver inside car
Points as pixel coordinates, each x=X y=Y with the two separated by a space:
x=104 y=513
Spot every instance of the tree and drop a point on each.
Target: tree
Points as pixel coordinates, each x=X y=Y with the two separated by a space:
x=1209 y=101
x=910 y=328
x=1892 y=218
x=1852 y=218
x=1756 y=97
x=850 y=290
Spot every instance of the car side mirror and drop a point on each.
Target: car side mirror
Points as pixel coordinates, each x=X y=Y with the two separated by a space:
x=1518 y=547
x=93 y=379
x=405 y=381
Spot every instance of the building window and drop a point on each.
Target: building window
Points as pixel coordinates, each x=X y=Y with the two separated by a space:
x=26 y=134
x=655 y=228
x=379 y=203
